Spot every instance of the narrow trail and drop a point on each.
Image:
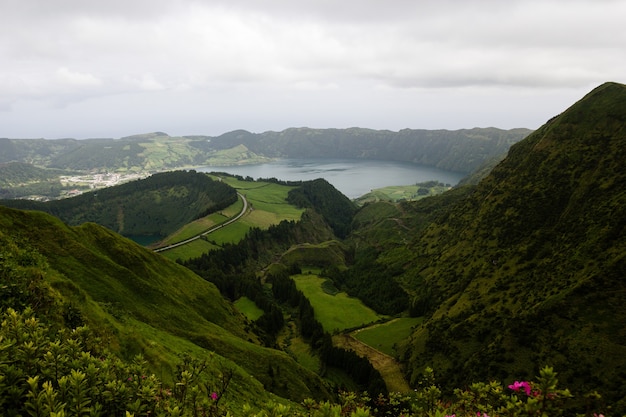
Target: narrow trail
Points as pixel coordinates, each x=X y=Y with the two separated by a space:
x=387 y=366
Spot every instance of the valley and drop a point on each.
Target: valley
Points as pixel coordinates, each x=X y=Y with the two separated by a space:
x=501 y=295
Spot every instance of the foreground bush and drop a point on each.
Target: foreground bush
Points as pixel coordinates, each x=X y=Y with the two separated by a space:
x=70 y=374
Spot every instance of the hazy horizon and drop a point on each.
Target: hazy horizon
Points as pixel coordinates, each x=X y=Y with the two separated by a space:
x=84 y=69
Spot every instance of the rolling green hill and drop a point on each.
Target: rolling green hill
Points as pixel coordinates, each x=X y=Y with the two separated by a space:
x=526 y=269
x=155 y=206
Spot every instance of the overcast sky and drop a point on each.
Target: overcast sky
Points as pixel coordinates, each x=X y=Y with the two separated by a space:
x=112 y=68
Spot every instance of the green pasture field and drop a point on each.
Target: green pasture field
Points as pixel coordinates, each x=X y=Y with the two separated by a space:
x=396 y=193
x=248 y=308
x=196 y=227
x=268 y=206
x=193 y=249
x=335 y=312
x=387 y=336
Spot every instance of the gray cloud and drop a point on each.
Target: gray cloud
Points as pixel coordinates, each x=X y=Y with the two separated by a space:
x=277 y=63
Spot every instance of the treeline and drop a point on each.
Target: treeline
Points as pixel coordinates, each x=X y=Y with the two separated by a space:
x=157 y=205
x=372 y=282
x=359 y=368
x=231 y=269
x=337 y=209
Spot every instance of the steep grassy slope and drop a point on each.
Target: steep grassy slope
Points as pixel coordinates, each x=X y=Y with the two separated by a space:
x=528 y=269
x=138 y=301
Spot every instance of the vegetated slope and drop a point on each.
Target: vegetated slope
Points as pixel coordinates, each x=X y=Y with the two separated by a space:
x=136 y=300
x=460 y=150
x=157 y=205
x=18 y=179
x=528 y=269
x=336 y=208
x=18 y=173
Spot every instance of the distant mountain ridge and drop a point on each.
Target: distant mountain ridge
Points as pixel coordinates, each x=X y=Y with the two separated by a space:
x=458 y=150
x=454 y=150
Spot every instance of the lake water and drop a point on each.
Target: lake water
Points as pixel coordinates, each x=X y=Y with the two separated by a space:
x=353 y=177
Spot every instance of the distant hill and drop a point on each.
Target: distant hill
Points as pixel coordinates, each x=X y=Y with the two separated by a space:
x=526 y=269
x=19 y=179
x=459 y=150
x=454 y=150
x=155 y=206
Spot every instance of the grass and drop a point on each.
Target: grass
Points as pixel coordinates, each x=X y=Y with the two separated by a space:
x=191 y=250
x=402 y=193
x=301 y=351
x=335 y=312
x=387 y=336
x=268 y=206
x=248 y=308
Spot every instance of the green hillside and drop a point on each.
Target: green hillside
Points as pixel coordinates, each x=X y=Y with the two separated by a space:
x=454 y=150
x=19 y=179
x=520 y=273
x=460 y=150
x=527 y=268
x=137 y=302
x=156 y=206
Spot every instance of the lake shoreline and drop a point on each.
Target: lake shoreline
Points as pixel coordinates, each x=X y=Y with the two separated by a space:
x=352 y=177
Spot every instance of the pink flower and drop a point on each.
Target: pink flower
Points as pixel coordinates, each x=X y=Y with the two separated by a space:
x=214 y=396
x=517 y=385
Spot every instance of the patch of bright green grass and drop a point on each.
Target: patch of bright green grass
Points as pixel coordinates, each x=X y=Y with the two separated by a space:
x=248 y=308
x=268 y=203
x=334 y=312
x=193 y=249
x=387 y=336
x=403 y=192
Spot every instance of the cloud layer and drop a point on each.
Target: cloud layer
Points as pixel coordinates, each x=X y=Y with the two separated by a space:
x=92 y=68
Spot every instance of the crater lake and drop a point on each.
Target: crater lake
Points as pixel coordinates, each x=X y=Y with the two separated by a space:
x=353 y=177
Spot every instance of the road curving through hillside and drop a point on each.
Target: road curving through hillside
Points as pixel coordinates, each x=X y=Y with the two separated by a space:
x=243 y=211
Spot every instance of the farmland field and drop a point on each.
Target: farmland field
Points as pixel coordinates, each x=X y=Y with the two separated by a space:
x=386 y=336
x=248 y=308
x=267 y=206
x=335 y=312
